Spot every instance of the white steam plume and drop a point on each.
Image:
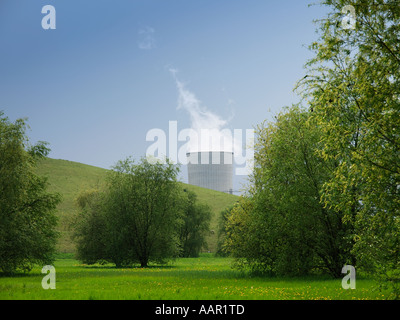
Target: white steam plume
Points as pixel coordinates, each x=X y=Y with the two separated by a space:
x=211 y=134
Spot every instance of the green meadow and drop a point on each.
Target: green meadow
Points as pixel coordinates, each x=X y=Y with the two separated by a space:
x=203 y=278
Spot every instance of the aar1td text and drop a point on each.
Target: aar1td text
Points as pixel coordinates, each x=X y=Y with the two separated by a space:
x=231 y=309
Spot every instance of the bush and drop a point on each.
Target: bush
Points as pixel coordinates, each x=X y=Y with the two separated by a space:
x=196 y=222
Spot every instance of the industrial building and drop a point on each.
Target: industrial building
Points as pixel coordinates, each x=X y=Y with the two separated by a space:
x=211 y=170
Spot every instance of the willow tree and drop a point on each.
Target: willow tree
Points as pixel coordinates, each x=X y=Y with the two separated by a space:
x=134 y=218
x=353 y=88
x=141 y=212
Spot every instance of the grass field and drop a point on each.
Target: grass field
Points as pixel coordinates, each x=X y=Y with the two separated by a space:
x=203 y=278
x=70 y=178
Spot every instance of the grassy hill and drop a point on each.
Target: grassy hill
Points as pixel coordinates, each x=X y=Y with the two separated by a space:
x=69 y=178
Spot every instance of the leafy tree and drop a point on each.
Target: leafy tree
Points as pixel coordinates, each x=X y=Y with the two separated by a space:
x=195 y=225
x=135 y=219
x=353 y=85
x=141 y=211
x=282 y=227
x=27 y=211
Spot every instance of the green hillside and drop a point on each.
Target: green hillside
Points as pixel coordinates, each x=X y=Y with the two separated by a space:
x=69 y=178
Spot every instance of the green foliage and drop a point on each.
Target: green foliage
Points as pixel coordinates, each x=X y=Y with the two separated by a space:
x=281 y=227
x=242 y=239
x=222 y=225
x=142 y=215
x=353 y=86
x=90 y=227
x=141 y=210
x=195 y=225
x=27 y=219
x=135 y=219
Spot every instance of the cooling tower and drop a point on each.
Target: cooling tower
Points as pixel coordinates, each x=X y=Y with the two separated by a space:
x=211 y=170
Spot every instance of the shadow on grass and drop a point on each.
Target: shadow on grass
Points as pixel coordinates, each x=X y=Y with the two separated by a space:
x=129 y=267
x=21 y=274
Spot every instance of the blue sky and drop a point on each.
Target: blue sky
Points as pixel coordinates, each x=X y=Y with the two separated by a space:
x=95 y=85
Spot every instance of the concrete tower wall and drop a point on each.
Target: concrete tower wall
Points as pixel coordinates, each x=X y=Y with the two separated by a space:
x=211 y=170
